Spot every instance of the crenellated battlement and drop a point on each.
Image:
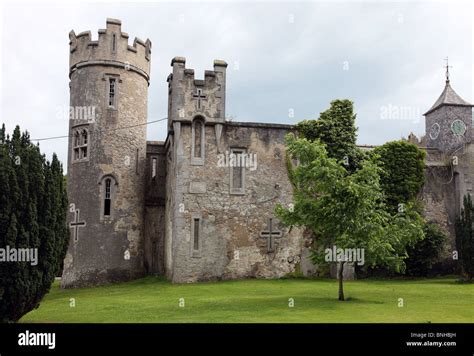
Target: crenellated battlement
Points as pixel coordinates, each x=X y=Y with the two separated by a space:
x=211 y=77
x=190 y=96
x=111 y=49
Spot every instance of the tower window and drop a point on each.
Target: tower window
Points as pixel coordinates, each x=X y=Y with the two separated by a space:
x=108 y=192
x=107 y=198
x=80 y=144
x=198 y=141
x=112 y=92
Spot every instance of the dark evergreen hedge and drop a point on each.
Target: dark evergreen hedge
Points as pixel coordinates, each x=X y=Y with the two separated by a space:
x=425 y=253
x=33 y=211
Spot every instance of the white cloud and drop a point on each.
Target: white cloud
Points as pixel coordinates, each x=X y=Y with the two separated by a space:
x=290 y=56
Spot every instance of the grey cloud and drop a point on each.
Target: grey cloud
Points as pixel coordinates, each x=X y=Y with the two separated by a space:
x=394 y=52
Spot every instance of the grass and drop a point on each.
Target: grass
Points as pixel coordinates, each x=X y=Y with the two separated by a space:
x=155 y=300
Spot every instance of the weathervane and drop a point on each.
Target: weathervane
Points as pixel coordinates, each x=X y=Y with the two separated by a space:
x=447 y=69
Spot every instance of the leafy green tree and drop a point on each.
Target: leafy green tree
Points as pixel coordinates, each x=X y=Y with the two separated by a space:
x=465 y=239
x=402 y=176
x=346 y=210
x=33 y=208
x=336 y=129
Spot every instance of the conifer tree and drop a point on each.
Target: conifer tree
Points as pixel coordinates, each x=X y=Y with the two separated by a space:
x=33 y=210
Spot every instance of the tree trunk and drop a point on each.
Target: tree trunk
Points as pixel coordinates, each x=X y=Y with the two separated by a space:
x=340 y=277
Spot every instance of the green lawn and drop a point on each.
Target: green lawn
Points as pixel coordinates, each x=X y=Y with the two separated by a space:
x=156 y=300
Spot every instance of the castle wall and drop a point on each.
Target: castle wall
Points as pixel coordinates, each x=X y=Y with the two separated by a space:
x=155 y=199
x=438 y=196
x=231 y=224
x=448 y=178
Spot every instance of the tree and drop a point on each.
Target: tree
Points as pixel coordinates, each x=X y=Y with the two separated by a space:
x=426 y=252
x=401 y=179
x=346 y=210
x=33 y=208
x=464 y=238
x=403 y=168
x=336 y=129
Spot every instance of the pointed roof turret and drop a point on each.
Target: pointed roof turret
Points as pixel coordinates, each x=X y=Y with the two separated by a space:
x=448 y=96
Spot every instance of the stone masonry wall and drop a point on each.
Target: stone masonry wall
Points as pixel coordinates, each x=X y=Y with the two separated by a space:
x=231 y=224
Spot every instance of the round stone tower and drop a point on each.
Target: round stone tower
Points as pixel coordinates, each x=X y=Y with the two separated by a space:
x=107 y=151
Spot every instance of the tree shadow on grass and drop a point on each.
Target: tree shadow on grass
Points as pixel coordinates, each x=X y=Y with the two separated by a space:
x=354 y=300
x=263 y=303
x=456 y=282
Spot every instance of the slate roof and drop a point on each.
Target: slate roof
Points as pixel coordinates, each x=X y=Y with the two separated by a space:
x=448 y=97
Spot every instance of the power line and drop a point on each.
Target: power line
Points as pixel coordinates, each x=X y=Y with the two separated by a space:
x=119 y=128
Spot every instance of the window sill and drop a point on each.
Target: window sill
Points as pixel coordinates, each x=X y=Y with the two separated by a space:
x=196 y=254
x=197 y=161
x=80 y=160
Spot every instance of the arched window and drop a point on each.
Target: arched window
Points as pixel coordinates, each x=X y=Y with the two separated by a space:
x=108 y=191
x=107 y=199
x=198 y=141
x=80 y=144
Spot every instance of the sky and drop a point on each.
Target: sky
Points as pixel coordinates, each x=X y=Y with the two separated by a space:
x=287 y=60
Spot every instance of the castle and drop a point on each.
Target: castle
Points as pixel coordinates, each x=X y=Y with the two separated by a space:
x=199 y=206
